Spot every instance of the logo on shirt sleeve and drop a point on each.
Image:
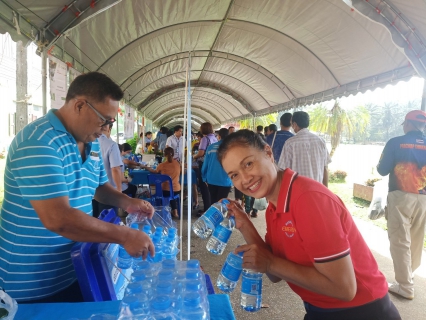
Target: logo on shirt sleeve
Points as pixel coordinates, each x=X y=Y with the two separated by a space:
x=289 y=229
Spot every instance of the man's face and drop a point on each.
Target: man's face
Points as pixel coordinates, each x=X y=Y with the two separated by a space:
x=231 y=130
x=94 y=118
x=178 y=133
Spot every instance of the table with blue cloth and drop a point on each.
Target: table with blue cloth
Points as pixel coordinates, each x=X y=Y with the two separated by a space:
x=220 y=309
x=140 y=176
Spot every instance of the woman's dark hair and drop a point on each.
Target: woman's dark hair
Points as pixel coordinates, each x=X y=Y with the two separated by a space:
x=125 y=147
x=169 y=153
x=301 y=118
x=147 y=133
x=199 y=134
x=95 y=86
x=223 y=133
x=245 y=138
x=206 y=128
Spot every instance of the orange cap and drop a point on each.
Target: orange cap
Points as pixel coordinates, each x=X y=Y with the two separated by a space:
x=416 y=115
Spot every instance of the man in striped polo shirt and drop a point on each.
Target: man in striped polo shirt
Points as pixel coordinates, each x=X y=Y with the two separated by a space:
x=53 y=171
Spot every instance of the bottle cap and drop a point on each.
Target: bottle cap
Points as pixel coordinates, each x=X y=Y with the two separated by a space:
x=134 y=226
x=193 y=285
x=191 y=300
x=192 y=274
x=143 y=265
x=172 y=231
x=138 y=275
x=131 y=300
x=147 y=228
x=134 y=287
x=161 y=303
x=168 y=264
x=165 y=274
x=225 y=201
x=194 y=264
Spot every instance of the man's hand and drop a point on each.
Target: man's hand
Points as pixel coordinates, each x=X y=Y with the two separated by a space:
x=138 y=244
x=256 y=257
x=138 y=206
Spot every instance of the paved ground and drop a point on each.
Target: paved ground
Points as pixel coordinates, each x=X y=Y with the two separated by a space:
x=283 y=303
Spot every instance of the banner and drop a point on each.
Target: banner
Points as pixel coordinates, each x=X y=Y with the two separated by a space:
x=129 y=122
x=58 y=82
x=72 y=75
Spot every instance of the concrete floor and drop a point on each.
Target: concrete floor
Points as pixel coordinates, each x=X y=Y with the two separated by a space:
x=283 y=302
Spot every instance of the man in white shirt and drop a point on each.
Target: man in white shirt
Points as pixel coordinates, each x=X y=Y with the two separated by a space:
x=305 y=153
x=177 y=142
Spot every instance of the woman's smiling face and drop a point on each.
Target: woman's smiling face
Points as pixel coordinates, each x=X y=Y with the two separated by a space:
x=251 y=170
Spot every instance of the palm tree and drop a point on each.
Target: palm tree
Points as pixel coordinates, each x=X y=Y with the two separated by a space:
x=337 y=121
x=264 y=120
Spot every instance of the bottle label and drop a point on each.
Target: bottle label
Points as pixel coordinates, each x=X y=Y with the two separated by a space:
x=214 y=215
x=222 y=234
x=251 y=286
x=230 y=272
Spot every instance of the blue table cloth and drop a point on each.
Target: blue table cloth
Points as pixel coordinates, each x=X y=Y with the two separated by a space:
x=220 y=309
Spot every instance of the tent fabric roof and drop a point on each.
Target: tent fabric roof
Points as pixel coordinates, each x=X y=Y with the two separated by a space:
x=248 y=57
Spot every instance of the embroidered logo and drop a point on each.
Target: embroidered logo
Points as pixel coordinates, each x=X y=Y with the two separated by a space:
x=289 y=229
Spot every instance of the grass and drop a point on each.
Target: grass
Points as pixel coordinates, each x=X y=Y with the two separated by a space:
x=357 y=207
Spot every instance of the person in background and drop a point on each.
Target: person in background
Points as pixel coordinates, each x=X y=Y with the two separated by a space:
x=53 y=170
x=148 y=137
x=126 y=186
x=231 y=130
x=177 y=143
x=259 y=130
x=404 y=159
x=277 y=139
x=311 y=242
x=159 y=143
x=172 y=168
x=196 y=143
x=266 y=130
x=208 y=138
x=113 y=166
x=126 y=153
x=212 y=172
x=305 y=153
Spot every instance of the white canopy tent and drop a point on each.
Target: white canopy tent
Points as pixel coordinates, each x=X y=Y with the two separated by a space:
x=248 y=57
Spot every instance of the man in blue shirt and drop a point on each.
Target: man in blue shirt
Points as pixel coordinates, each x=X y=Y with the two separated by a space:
x=159 y=143
x=54 y=169
x=404 y=159
x=276 y=139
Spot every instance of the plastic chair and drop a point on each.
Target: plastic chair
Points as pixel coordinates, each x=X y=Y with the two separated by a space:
x=157 y=180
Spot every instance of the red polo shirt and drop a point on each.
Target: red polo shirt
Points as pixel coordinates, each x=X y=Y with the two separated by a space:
x=312 y=225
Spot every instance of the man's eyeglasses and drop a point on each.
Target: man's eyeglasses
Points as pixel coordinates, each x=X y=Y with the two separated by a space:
x=107 y=122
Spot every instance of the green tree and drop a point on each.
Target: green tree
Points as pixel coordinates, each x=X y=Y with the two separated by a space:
x=264 y=120
x=336 y=122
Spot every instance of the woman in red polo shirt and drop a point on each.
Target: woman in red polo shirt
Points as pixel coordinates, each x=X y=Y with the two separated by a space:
x=311 y=241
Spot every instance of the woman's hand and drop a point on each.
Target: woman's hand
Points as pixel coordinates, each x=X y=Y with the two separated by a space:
x=256 y=258
x=236 y=210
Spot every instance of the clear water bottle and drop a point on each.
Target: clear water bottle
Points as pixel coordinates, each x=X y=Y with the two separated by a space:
x=251 y=290
x=169 y=249
x=156 y=240
x=124 y=260
x=230 y=273
x=135 y=261
x=147 y=230
x=161 y=307
x=134 y=307
x=191 y=308
x=218 y=241
x=208 y=222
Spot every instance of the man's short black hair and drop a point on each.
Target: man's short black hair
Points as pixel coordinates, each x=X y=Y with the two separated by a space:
x=285 y=119
x=273 y=127
x=164 y=130
x=301 y=118
x=177 y=128
x=223 y=133
x=95 y=86
x=259 y=128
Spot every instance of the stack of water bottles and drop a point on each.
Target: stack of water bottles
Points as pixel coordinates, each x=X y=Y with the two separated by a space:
x=214 y=222
x=166 y=242
x=167 y=290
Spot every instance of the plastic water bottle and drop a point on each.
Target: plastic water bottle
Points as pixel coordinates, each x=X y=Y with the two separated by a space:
x=208 y=222
x=158 y=250
x=161 y=306
x=124 y=260
x=169 y=249
x=191 y=308
x=147 y=230
x=230 y=273
x=218 y=241
x=251 y=290
x=134 y=307
x=135 y=261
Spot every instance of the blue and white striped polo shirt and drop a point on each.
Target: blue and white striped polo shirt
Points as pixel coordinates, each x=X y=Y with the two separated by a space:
x=43 y=162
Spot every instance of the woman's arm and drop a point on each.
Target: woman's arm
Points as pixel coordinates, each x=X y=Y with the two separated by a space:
x=199 y=154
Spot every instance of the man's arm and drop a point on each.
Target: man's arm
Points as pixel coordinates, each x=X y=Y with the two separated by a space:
x=58 y=216
x=117 y=177
x=325 y=177
x=387 y=160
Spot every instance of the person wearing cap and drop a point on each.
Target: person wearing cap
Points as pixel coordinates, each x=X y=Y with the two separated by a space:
x=404 y=159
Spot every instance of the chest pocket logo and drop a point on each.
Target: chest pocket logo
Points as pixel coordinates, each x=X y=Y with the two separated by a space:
x=289 y=229
x=94 y=156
